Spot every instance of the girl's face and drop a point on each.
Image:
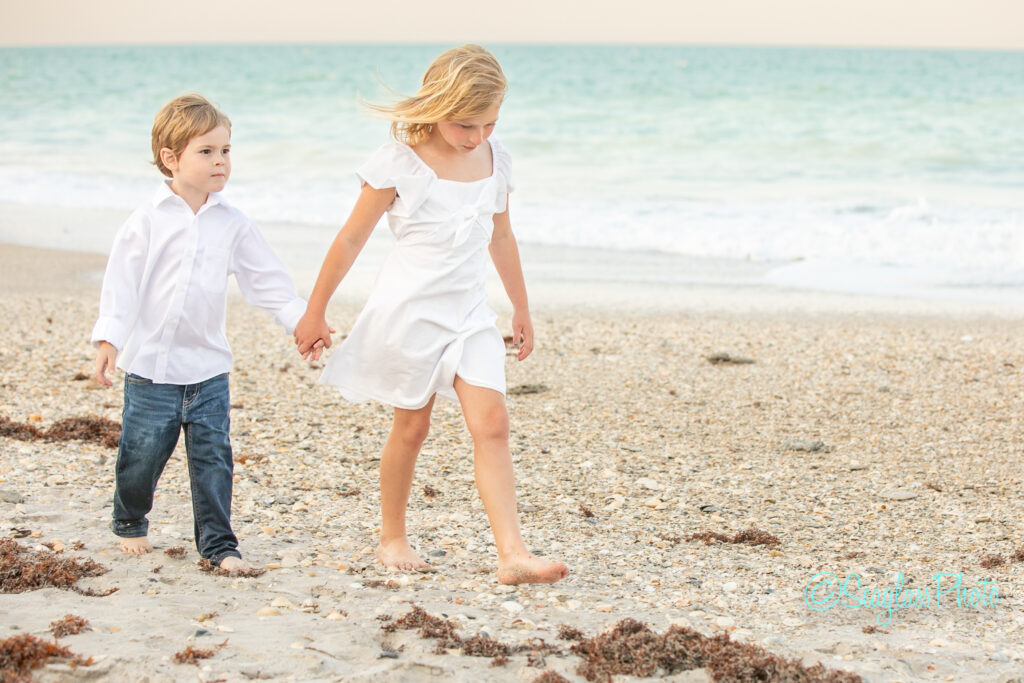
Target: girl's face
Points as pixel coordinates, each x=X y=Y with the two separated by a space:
x=466 y=134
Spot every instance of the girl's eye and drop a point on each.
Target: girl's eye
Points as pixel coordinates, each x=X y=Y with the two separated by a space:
x=204 y=151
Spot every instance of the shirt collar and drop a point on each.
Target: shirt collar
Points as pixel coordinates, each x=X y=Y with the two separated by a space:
x=164 y=193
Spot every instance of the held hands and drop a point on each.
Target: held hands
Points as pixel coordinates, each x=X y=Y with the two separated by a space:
x=522 y=333
x=312 y=336
x=106 y=358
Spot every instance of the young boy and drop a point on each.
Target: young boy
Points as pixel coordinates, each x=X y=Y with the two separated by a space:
x=162 y=309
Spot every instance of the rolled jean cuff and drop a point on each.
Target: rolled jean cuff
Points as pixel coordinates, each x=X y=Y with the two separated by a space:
x=130 y=529
x=218 y=558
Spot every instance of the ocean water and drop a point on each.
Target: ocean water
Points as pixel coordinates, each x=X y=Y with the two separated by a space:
x=880 y=171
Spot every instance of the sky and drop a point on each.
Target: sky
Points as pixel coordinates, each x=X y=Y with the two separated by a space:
x=982 y=24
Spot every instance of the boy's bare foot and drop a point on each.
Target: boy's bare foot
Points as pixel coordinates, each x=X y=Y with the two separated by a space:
x=234 y=564
x=400 y=555
x=136 y=546
x=528 y=568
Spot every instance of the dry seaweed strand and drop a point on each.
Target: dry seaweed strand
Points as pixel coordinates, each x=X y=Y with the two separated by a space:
x=177 y=552
x=443 y=630
x=68 y=625
x=210 y=568
x=632 y=648
x=1018 y=555
x=566 y=632
x=88 y=428
x=191 y=655
x=990 y=561
x=19 y=655
x=550 y=676
x=747 y=537
x=16 y=430
x=23 y=570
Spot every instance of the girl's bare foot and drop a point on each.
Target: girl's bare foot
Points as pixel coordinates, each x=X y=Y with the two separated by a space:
x=400 y=555
x=136 y=546
x=528 y=568
x=234 y=564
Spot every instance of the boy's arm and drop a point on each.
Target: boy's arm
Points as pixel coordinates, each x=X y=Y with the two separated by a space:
x=119 y=297
x=505 y=255
x=264 y=280
x=369 y=207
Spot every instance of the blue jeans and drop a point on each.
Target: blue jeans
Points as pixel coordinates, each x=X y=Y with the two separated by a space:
x=152 y=419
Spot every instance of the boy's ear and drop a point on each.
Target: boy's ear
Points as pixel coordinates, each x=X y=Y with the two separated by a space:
x=168 y=159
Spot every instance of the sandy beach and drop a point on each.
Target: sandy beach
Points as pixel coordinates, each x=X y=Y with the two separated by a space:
x=874 y=439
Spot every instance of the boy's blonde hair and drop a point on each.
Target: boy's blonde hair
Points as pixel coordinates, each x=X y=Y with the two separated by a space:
x=182 y=119
x=464 y=81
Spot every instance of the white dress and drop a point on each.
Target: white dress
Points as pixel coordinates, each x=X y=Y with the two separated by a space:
x=427 y=318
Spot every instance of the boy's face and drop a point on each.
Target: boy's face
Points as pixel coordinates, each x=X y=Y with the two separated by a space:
x=203 y=166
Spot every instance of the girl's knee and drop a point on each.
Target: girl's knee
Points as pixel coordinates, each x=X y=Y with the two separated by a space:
x=493 y=425
x=411 y=433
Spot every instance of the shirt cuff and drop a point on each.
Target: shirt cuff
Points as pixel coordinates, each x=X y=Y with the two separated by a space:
x=288 y=316
x=109 y=330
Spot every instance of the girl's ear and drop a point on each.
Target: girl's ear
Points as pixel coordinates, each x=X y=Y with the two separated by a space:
x=168 y=159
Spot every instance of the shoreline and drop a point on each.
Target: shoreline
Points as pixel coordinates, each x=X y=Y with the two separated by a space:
x=621 y=416
x=558 y=278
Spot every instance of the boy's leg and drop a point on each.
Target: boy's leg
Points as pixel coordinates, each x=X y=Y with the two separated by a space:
x=207 y=423
x=487 y=419
x=397 y=462
x=150 y=424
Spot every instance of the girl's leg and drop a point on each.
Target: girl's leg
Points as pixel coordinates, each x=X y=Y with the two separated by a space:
x=397 y=462
x=487 y=420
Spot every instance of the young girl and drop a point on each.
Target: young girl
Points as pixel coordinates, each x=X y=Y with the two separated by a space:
x=426 y=329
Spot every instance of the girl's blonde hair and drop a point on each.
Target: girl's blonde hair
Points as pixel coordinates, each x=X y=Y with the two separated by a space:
x=463 y=82
x=183 y=118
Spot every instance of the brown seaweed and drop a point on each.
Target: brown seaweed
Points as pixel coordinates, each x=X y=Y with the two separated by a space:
x=68 y=625
x=23 y=570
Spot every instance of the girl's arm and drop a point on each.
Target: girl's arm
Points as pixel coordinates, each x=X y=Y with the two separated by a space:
x=370 y=206
x=505 y=254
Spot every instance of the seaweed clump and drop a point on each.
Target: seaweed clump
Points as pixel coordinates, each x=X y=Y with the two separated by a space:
x=88 y=428
x=23 y=570
x=632 y=648
x=191 y=655
x=990 y=561
x=68 y=625
x=175 y=553
x=443 y=631
x=566 y=632
x=747 y=536
x=210 y=568
x=19 y=655
x=430 y=627
x=550 y=676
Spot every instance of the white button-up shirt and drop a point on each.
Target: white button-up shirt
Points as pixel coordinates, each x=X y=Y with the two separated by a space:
x=164 y=291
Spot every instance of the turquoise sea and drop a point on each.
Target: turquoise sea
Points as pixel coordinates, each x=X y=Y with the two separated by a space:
x=853 y=169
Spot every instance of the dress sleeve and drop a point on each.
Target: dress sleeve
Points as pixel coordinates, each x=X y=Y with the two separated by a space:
x=503 y=174
x=395 y=165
